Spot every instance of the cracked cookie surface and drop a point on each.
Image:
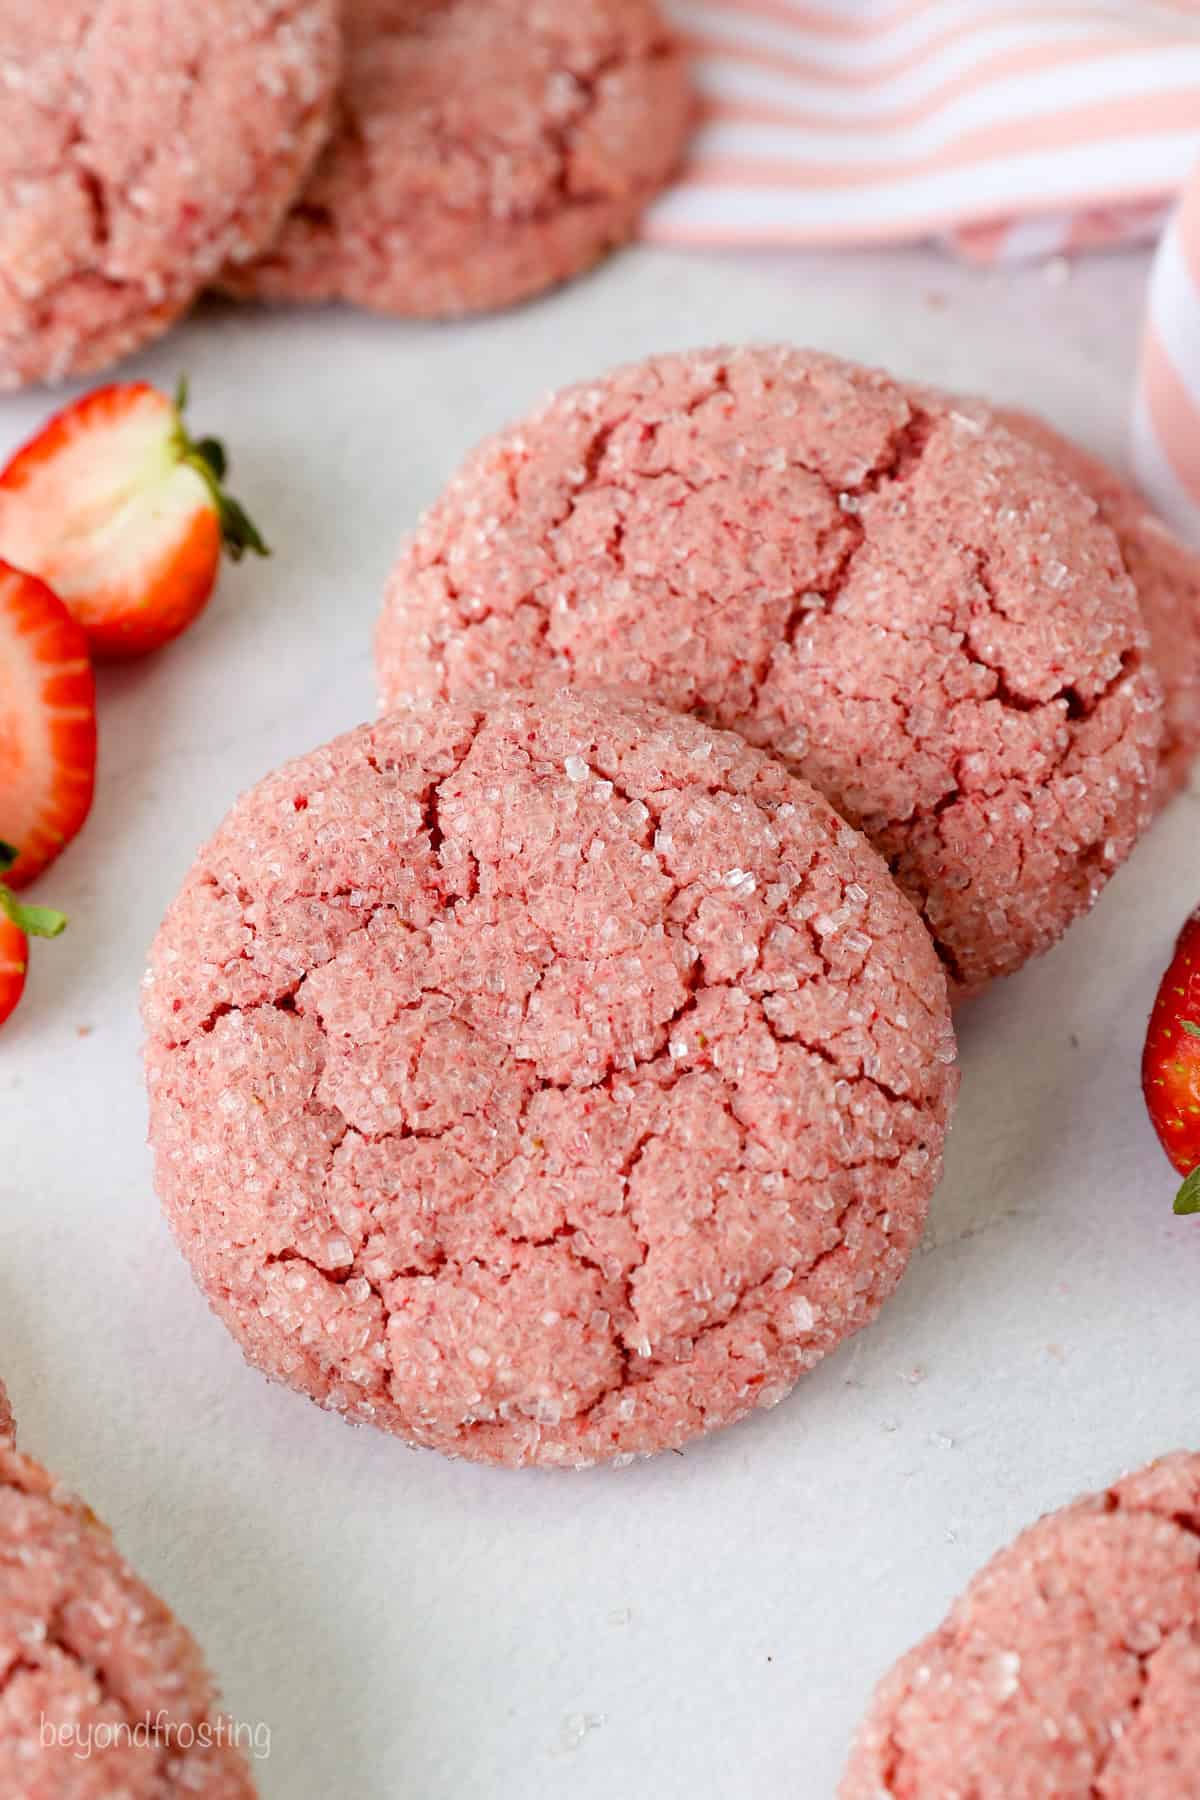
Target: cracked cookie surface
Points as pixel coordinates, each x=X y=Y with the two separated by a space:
x=87 y=1650
x=1166 y=574
x=919 y=614
x=1069 y=1668
x=545 y=1080
x=486 y=150
x=142 y=147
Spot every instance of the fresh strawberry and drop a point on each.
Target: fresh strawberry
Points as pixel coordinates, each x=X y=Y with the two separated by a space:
x=14 y=947
x=47 y=723
x=18 y=924
x=1171 y=1064
x=125 y=515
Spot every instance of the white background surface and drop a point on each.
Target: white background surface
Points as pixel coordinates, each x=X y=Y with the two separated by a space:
x=409 y=1627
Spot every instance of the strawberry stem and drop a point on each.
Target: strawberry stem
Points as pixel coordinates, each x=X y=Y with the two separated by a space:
x=34 y=921
x=1187 y=1200
x=239 y=533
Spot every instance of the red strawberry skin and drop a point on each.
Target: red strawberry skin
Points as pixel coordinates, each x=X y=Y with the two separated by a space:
x=14 y=954
x=1171 y=1060
x=47 y=724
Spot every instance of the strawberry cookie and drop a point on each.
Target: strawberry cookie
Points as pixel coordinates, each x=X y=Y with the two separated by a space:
x=102 y=1692
x=142 y=148
x=919 y=613
x=1166 y=575
x=487 y=149
x=546 y=1080
x=1068 y=1670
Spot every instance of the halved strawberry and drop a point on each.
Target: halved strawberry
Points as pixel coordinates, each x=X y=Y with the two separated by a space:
x=14 y=950
x=18 y=924
x=47 y=723
x=124 y=514
x=1171 y=1064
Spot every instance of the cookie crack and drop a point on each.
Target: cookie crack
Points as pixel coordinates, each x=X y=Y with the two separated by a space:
x=54 y=1638
x=284 y=998
x=632 y=1351
x=898 y=464
x=1145 y=1662
x=1078 y=707
x=893 y=1754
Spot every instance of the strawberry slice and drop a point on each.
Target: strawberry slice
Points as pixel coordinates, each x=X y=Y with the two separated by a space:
x=14 y=951
x=18 y=924
x=1171 y=1064
x=124 y=515
x=47 y=723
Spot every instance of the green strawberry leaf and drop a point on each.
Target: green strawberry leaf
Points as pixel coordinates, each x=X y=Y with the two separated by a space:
x=1187 y=1200
x=239 y=533
x=212 y=451
x=34 y=921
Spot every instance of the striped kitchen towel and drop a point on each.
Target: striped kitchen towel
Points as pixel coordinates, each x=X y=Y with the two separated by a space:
x=1015 y=128
x=1166 y=413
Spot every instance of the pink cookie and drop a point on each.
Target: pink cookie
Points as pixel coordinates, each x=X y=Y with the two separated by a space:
x=1069 y=1669
x=1166 y=575
x=487 y=150
x=921 y=615
x=142 y=147
x=544 y=1081
x=102 y=1692
x=7 y=1428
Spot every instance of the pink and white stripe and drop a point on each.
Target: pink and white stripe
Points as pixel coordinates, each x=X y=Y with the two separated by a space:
x=1166 y=415
x=1026 y=126
x=1016 y=128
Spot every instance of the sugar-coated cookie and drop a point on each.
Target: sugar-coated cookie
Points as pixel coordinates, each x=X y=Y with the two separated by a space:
x=102 y=1692
x=545 y=1081
x=487 y=149
x=1068 y=1670
x=916 y=610
x=143 y=147
x=1166 y=574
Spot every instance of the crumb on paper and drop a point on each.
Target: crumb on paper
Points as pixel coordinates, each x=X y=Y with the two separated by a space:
x=575 y=1728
